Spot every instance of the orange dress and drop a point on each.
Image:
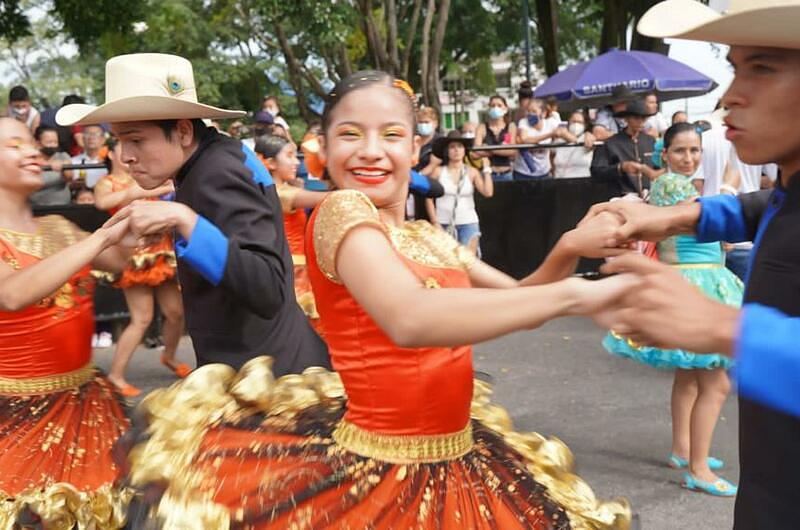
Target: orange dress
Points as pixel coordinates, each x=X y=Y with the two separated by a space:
x=414 y=444
x=58 y=416
x=151 y=265
x=294 y=222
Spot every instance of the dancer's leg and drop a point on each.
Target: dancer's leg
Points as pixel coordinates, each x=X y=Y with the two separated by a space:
x=714 y=387
x=140 y=307
x=169 y=300
x=684 y=394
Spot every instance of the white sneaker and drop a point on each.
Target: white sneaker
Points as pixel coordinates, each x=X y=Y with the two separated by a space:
x=104 y=340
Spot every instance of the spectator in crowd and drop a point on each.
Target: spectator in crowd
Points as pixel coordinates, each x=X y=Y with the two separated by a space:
x=20 y=108
x=263 y=125
x=626 y=159
x=551 y=110
x=455 y=210
x=428 y=130
x=236 y=129
x=70 y=139
x=607 y=123
x=55 y=189
x=534 y=129
x=497 y=130
x=468 y=129
x=271 y=105
x=524 y=96
x=93 y=143
x=574 y=162
x=656 y=125
x=86 y=196
x=679 y=117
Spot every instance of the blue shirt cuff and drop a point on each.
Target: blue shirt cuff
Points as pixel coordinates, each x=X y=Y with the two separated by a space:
x=419 y=182
x=206 y=251
x=768 y=358
x=721 y=219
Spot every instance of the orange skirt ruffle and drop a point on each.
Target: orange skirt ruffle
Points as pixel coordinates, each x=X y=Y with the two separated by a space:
x=151 y=266
x=55 y=457
x=246 y=452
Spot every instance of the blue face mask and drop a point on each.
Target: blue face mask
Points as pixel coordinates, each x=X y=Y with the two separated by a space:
x=533 y=119
x=425 y=129
x=495 y=113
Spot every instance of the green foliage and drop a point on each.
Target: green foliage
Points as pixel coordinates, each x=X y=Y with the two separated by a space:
x=13 y=22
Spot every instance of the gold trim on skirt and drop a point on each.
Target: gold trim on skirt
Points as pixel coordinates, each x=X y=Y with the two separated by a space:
x=403 y=449
x=48 y=383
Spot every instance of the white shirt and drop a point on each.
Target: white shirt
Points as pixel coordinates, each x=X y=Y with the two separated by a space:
x=541 y=157
x=658 y=122
x=572 y=162
x=716 y=153
x=90 y=176
x=452 y=211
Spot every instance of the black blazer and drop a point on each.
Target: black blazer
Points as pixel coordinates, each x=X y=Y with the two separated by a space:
x=236 y=270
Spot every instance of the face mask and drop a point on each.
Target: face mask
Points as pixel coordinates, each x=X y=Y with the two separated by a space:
x=496 y=113
x=533 y=119
x=425 y=129
x=18 y=113
x=273 y=112
x=576 y=129
x=468 y=135
x=48 y=151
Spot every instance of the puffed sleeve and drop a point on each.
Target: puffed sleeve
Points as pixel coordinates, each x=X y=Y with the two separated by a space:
x=337 y=215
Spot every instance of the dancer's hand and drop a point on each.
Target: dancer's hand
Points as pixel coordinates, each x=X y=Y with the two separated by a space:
x=148 y=218
x=598 y=296
x=667 y=311
x=645 y=222
x=117 y=233
x=597 y=237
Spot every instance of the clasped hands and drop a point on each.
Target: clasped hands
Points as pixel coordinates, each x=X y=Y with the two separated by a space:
x=647 y=301
x=143 y=222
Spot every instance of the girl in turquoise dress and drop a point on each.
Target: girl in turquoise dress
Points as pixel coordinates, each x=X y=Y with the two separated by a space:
x=701 y=382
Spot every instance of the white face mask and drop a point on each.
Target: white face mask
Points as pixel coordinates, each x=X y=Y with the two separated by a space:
x=576 y=129
x=425 y=129
x=273 y=112
x=468 y=135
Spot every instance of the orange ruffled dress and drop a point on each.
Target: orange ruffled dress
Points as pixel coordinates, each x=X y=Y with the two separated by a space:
x=58 y=416
x=151 y=265
x=294 y=222
x=412 y=445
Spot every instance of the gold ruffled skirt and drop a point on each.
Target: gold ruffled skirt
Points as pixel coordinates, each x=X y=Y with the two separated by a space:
x=226 y=450
x=56 y=467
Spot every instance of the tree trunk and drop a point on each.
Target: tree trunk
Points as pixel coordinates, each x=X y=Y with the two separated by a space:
x=547 y=33
x=295 y=76
x=613 y=32
x=410 y=34
x=390 y=16
x=641 y=42
x=434 y=82
x=344 y=67
x=374 y=43
x=425 y=52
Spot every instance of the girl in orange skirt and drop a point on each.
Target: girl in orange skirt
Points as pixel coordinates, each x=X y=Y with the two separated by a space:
x=280 y=156
x=59 y=417
x=415 y=443
x=151 y=273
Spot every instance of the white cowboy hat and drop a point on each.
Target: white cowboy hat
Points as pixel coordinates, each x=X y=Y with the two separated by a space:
x=769 y=23
x=142 y=87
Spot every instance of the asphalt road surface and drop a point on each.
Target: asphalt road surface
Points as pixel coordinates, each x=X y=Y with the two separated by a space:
x=613 y=414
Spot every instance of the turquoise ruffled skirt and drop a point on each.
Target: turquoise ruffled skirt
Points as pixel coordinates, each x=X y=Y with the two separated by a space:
x=715 y=281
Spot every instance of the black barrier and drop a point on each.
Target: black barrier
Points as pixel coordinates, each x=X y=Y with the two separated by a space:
x=109 y=303
x=524 y=219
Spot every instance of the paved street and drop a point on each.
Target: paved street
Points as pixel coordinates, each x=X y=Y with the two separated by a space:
x=613 y=414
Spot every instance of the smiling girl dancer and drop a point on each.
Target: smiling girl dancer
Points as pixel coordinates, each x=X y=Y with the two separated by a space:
x=413 y=445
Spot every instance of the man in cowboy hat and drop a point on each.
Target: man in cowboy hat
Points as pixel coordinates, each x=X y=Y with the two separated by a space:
x=625 y=160
x=234 y=265
x=607 y=124
x=764 y=335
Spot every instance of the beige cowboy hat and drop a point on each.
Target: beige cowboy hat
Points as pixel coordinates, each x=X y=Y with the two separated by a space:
x=145 y=86
x=769 y=23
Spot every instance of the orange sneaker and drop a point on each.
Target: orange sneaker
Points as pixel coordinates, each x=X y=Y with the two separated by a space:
x=127 y=390
x=179 y=369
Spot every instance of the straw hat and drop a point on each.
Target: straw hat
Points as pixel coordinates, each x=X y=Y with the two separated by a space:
x=769 y=23
x=145 y=86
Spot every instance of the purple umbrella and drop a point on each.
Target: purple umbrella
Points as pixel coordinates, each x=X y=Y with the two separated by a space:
x=591 y=82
